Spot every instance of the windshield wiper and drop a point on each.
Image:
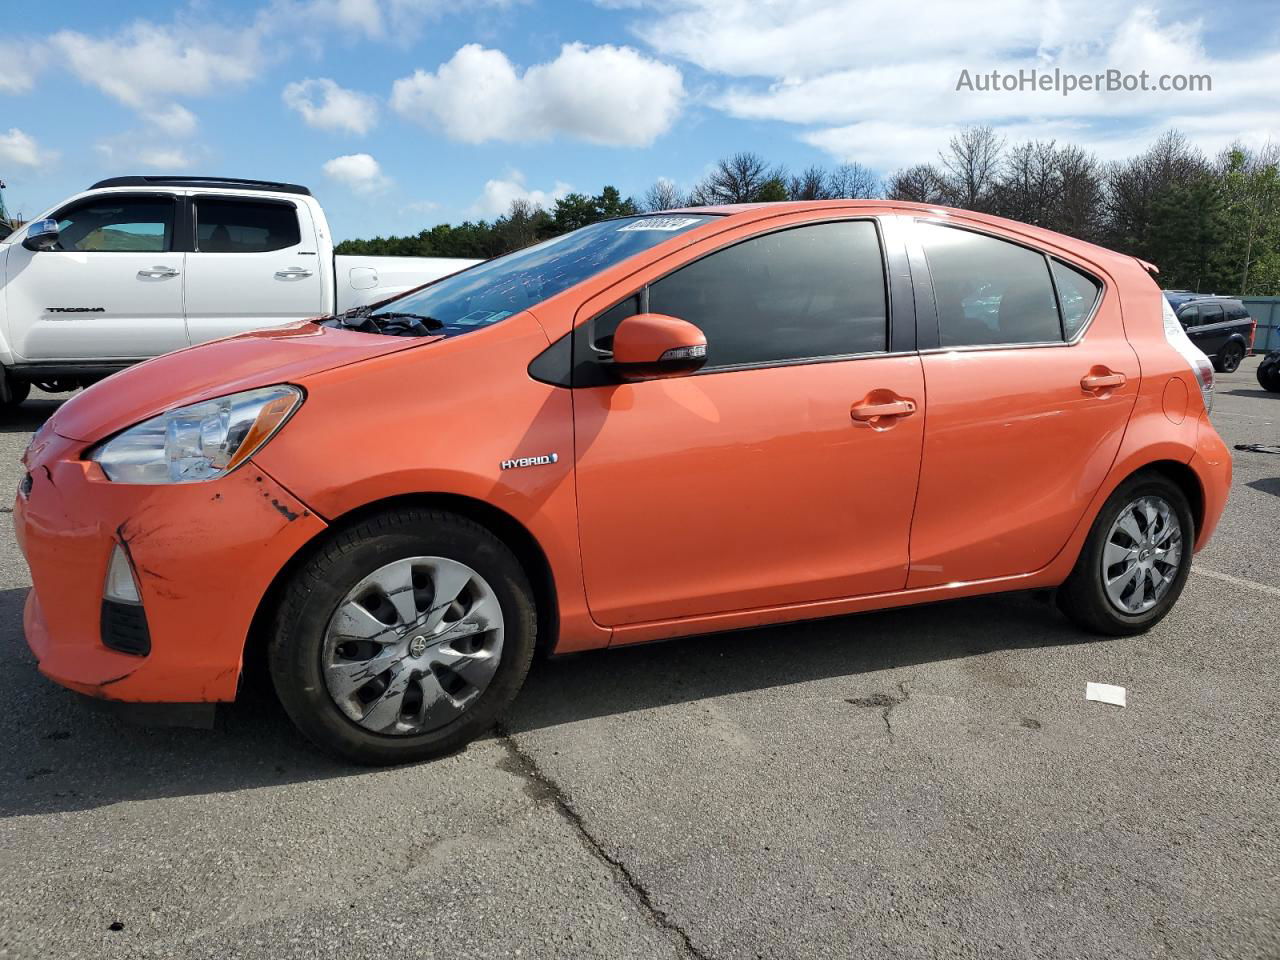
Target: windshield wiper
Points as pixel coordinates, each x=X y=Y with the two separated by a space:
x=391 y=323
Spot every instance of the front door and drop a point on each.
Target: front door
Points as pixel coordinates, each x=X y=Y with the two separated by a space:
x=255 y=265
x=1030 y=389
x=764 y=479
x=110 y=289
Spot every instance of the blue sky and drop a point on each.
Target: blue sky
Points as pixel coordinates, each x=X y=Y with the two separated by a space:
x=404 y=113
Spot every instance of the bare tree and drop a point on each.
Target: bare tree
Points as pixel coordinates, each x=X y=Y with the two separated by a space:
x=919 y=184
x=810 y=184
x=663 y=195
x=1080 y=194
x=970 y=165
x=852 y=181
x=1133 y=185
x=741 y=178
x=1028 y=186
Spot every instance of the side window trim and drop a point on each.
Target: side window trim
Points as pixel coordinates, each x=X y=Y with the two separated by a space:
x=928 y=322
x=175 y=244
x=590 y=367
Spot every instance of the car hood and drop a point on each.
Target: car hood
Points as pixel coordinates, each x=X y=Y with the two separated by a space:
x=258 y=359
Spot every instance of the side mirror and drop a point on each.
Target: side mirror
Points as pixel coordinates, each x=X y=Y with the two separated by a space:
x=650 y=346
x=41 y=235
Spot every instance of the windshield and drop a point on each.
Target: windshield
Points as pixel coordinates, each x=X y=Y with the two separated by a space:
x=505 y=285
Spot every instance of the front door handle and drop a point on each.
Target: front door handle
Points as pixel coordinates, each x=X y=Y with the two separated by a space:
x=292 y=273
x=1095 y=382
x=157 y=272
x=881 y=409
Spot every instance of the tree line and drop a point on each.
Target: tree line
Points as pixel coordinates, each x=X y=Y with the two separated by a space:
x=1211 y=223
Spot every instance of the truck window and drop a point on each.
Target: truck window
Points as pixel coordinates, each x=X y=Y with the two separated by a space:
x=245 y=226
x=117 y=224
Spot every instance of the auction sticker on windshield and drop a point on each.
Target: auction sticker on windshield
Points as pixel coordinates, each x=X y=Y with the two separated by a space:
x=661 y=223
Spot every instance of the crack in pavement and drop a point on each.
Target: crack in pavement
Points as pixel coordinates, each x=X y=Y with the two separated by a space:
x=524 y=765
x=885 y=702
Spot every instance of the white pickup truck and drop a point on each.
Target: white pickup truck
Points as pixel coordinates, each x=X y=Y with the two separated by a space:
x=138 y=266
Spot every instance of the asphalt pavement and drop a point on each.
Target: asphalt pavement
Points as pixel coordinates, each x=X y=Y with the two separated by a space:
x=928 y=782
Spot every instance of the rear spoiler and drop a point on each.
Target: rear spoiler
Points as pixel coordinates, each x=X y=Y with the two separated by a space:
x=1151 y=268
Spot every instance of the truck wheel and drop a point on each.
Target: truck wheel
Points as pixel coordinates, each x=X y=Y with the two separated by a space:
x=1228 y=361
x=19 y=390
x=1136 y=561
x=404 y=638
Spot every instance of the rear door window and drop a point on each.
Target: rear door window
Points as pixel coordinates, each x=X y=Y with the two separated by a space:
x=1211 y=313
x=989 y=291
x=245 y=226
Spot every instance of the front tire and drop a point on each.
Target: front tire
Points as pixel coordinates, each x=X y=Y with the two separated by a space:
x=404 y=638
x=1136 y=560
x=19 y=390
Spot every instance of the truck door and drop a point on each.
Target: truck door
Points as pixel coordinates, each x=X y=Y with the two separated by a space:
x=110 y=289
x=255 y=265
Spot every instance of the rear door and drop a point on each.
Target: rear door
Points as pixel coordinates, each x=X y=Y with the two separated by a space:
x=111 y=289
x=1030 y=382
x=1214 y=329
x=254 y=265
x=750 y=484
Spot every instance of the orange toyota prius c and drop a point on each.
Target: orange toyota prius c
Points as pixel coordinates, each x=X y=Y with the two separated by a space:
x=655 y=426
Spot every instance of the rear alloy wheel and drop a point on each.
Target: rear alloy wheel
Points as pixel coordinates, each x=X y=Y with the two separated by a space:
x=1228 y=361
x=404 y=638
x=1136 y=561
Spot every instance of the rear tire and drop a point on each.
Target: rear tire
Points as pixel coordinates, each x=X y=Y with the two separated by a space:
x=1228 y=361
x=412 y=679
x=1144 y=583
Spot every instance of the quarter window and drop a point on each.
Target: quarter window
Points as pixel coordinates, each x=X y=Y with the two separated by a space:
x=110 y=224
x=239 y=226
x=803 y=293
x=1077 y=293
x=988 y=291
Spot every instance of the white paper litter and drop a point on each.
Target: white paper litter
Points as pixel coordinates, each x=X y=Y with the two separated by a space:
x=1104 y=693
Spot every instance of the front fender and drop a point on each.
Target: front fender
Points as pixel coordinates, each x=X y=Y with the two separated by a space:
x=459 y=417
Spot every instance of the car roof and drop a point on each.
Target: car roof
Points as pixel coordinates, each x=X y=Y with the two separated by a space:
x=754 y=211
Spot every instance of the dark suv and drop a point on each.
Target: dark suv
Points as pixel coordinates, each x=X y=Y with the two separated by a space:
x=1220 y=326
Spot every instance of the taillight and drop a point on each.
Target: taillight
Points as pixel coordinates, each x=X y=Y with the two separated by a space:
x=1200 y=364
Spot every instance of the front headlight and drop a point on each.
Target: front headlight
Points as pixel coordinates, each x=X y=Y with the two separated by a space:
x=199 y=442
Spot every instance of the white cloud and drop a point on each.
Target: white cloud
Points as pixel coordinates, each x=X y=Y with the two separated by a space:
x=864 y=82
x=498 y=195
x=605 y=95
x=132 y=151
x=359 y=171
x=146 y=61
x=397 y=20
x=174 y=120
x=22 y=61
x=326 y=106
x=21 y=149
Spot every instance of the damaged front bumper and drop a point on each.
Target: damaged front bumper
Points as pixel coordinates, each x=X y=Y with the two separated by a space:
x=203 y=555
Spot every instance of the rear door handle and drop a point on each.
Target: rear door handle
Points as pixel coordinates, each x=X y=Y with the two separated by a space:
x=157 y=272
x=874 y=411
x=1093 y=382
x=292 y=272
